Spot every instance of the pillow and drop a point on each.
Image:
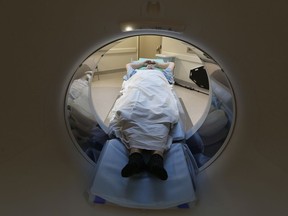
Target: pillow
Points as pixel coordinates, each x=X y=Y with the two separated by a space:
x=151 y=59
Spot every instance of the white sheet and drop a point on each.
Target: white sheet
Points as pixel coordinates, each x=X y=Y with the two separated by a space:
x=145 y=112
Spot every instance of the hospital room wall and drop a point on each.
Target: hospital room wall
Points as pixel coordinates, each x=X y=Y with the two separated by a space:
x=185 y=58
x=117 y=57
x=127 y=50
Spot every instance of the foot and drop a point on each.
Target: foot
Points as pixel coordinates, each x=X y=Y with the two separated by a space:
x=156 y=167
x=135 y=165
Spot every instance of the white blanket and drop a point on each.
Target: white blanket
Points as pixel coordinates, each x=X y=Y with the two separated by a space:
x=145 y=112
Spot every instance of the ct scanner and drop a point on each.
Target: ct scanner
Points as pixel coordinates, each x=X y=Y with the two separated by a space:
x=42 y=42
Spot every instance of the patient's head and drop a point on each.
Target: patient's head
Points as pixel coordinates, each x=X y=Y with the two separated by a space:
x=150 y=64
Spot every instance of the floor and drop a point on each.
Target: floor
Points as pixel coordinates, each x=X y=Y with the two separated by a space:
x=105 y=89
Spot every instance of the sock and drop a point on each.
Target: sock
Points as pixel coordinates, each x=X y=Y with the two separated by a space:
x=135 y=165
x=156 y=167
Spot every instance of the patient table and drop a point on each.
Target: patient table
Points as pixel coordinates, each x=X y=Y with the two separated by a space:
x=145 y=191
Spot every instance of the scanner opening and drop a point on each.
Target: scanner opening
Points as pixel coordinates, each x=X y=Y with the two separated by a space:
x=200 y=83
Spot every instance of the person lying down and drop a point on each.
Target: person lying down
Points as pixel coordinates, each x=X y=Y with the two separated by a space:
x=143 y=116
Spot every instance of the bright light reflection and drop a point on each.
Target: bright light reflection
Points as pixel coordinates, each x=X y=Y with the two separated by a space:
x=128 y=28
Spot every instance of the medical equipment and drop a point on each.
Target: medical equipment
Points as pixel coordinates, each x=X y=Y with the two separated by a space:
x=42 y=44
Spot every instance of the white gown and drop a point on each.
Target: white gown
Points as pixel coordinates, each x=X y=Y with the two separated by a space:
x=145 y=112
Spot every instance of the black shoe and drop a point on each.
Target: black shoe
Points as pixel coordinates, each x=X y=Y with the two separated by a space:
x=135 y=165
x=156 y=167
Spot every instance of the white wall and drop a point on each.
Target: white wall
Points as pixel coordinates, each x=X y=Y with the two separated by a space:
x=119 y=55
x=185 y=60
